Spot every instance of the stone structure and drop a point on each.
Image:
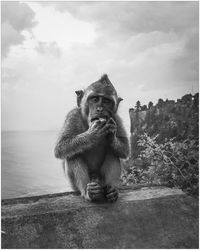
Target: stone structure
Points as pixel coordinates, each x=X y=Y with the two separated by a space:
x=156 y=217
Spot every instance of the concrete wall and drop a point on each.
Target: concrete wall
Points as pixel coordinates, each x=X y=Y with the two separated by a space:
x=156 y=217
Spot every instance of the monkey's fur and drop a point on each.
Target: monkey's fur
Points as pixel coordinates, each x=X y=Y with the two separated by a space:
x=92 y=142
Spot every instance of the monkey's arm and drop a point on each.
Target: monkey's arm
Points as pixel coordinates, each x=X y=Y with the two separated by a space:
x=74 y=139
x=119 y=143
x=120 y=146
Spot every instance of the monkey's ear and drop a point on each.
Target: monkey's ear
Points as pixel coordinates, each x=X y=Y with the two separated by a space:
x=119 y=99
x=79 y=94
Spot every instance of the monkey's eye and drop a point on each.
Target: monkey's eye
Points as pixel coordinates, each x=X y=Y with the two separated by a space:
x=95 y=98
x=107 y=101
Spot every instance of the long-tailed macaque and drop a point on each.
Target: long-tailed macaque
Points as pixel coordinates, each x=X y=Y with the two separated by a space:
x=92 y=142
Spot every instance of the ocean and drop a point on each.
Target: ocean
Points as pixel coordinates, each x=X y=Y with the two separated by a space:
x=28 y=165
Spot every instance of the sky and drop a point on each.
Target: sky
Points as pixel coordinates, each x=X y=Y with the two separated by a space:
x=51 y=49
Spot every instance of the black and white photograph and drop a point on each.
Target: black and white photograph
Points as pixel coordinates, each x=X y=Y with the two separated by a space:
x=100 y=124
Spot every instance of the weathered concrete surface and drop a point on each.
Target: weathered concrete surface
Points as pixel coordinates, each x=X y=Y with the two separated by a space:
x=155 y=217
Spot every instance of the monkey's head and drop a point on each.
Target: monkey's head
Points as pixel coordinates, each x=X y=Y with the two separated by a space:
x=99 y=100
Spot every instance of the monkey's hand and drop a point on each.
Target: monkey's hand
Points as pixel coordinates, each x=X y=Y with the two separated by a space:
x=111 y=193
x=95 y=191
x=112 y=129
x=99 y=128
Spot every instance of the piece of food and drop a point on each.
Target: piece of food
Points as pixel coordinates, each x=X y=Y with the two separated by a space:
x=102 y=119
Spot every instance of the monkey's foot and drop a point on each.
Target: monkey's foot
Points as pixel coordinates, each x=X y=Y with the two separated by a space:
x=95 y=191
x=111 y=193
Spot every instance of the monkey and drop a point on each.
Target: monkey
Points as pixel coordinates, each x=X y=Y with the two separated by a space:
x=92 y=142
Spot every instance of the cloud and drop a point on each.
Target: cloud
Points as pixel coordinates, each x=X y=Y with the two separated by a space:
x=144 y=32
x=16 y=17
x=149 y=51
x=186 y=66
x=129 y=18
x=63 y=28
x=9 y=37
x=50 y=48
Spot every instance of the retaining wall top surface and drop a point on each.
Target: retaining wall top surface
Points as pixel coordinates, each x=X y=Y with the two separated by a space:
x=52 y=203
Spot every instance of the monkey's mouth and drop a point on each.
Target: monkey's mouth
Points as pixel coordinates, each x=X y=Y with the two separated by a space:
x=102 y=118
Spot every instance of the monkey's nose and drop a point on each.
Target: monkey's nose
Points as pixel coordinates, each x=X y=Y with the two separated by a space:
x=99 y=109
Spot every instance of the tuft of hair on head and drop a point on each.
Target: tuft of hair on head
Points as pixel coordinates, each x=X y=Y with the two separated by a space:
x=105 y=80
x=104 y=77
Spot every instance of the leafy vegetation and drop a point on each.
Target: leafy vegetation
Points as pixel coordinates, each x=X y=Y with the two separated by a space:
x=165 y=144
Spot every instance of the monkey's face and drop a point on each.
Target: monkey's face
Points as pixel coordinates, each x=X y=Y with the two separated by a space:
x=98 y=101
x=100 y=107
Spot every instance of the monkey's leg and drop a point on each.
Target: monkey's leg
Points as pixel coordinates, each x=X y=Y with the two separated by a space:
x=111 y=171
x=78 y=174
